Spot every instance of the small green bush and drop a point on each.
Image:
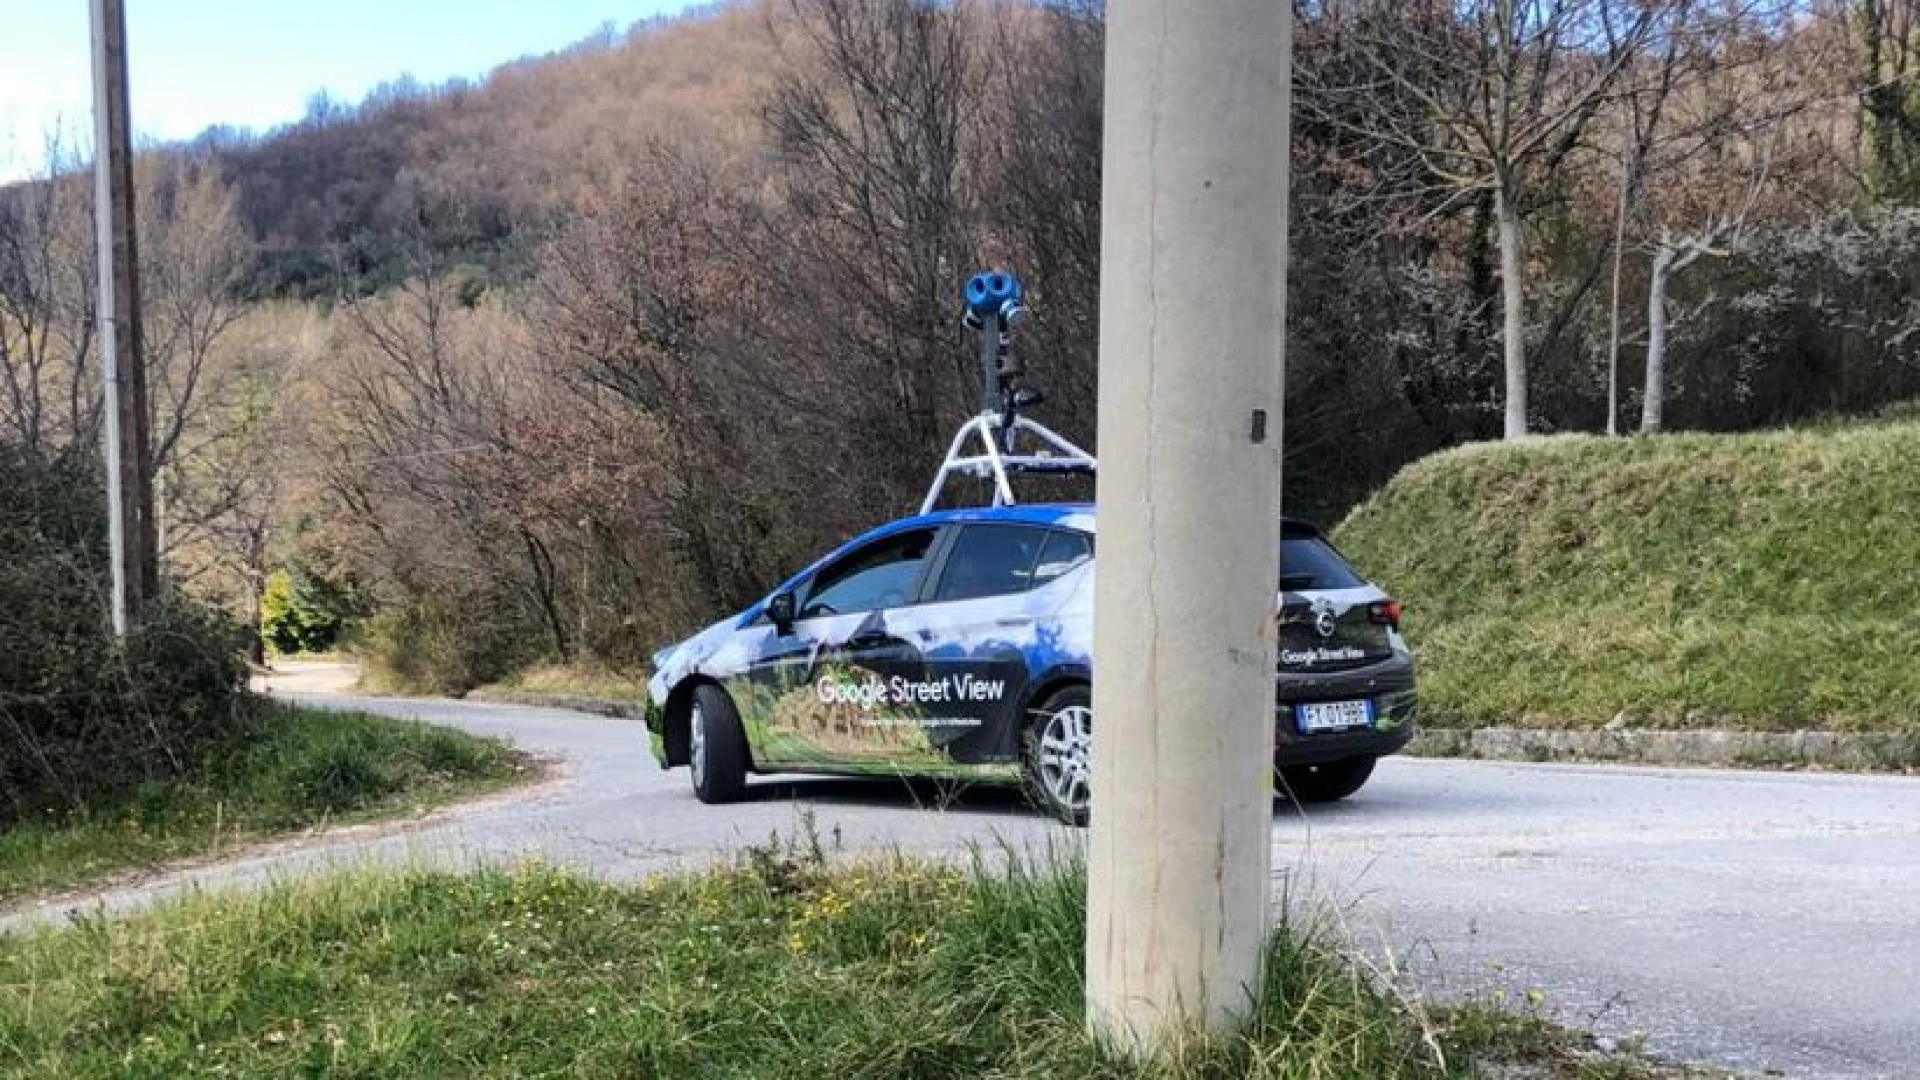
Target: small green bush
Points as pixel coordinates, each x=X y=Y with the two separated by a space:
x=339 y=778
x=302 y=766
x=296 y=616
x=419 y=647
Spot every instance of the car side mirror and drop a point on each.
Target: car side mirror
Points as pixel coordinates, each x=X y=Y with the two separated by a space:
x=780 y=612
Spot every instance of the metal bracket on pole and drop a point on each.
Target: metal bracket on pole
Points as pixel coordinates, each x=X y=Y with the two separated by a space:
x=994 y=309
x=997 y=458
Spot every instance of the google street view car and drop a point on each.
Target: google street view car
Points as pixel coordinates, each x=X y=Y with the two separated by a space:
x=958 y=643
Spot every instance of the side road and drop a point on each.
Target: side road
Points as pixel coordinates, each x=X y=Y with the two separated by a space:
x=1748 y=920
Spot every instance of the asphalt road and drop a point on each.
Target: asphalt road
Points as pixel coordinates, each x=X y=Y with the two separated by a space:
x=1751 y=920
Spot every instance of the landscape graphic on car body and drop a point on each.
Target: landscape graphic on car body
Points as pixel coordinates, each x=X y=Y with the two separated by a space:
x=958 y=644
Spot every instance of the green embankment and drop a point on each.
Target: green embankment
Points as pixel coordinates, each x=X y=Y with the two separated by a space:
x=1761 y=582
x=292 y=769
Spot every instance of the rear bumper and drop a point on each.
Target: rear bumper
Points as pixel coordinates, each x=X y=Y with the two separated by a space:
x=655 y=716
x=1321 y=749
x=1388 y=684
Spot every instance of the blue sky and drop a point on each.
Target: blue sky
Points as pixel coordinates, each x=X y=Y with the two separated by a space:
x=254 y=63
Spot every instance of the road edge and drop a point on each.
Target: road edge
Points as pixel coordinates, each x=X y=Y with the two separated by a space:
x=1832 y=750
x=617 y=710
x=545 y=776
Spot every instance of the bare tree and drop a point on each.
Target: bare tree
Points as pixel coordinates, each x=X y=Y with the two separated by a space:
x=49 y=382
x=1718 y=234
x=1887 y=33
x=1490 y=97
x=194 y=255
x=639 y=296
x=426 y=450
x=227 y=517
x=1043 y=202
x=875 y=124
x=244 y=461
x=1708 y=156
x=666 y=305
x=1642 y=109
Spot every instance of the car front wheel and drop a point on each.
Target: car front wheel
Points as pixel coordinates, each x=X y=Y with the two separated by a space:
x=1059 y=748
x=717 y=747
x=1325 y=783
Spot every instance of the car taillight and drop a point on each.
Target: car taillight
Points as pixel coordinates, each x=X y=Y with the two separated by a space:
x=1385 y=611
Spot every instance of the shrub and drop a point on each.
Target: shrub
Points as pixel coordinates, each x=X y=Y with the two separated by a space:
x=296 y=616
x=419 y=646
x=81 y=714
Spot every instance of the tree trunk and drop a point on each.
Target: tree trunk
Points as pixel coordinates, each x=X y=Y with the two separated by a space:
x=1613 y=305
x=1513 y=292
x=540 y=562
x=1654 y=403
x=256 y=635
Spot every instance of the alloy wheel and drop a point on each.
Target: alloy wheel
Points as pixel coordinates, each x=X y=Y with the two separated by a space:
x=1066 y=740
x=697 y=731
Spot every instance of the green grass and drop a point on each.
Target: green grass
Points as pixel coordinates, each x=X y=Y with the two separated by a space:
x=570 y=681
x=778 y=967
x=297 y=768
x=1757 y=582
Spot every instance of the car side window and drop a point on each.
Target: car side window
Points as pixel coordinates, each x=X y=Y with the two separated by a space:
x=991 y=560
x=880 y=575
x=1065 y=550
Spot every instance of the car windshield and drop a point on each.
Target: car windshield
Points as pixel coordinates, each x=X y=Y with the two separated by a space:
x=1309 y=563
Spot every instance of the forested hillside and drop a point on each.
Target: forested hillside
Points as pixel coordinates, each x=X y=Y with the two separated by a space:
x=558 y=364
x=478 y=171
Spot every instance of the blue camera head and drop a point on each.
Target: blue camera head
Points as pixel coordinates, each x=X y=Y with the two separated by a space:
x=994 y=292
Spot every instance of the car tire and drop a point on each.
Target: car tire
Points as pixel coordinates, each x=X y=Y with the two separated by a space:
x=1059 y=741
x=717 y=747
x=1330 y=782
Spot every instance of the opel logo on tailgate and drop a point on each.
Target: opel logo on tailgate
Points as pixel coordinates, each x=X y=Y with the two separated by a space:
x=1324 y=622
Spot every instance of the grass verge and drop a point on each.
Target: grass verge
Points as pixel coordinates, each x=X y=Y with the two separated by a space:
x=777 y=967
x=562 y=683
x=1757 y=582
x=295 y=769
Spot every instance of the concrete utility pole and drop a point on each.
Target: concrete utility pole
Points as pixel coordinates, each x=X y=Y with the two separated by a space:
x=1192 y=331
x=122 y=354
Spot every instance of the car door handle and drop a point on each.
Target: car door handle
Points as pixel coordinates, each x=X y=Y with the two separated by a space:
x=1014 y=620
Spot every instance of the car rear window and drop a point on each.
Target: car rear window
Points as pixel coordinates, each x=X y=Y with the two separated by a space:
x=1308 y=563
x=1065 y=550
x=991 y=560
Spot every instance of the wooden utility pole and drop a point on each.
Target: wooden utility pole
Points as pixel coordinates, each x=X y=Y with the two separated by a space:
x=122 y=353
x=1192 y=334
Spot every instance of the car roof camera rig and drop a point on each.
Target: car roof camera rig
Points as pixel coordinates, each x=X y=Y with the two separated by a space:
x=1007 y=443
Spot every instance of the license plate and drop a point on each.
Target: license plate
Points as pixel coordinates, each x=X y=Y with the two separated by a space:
x=1325 y=716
